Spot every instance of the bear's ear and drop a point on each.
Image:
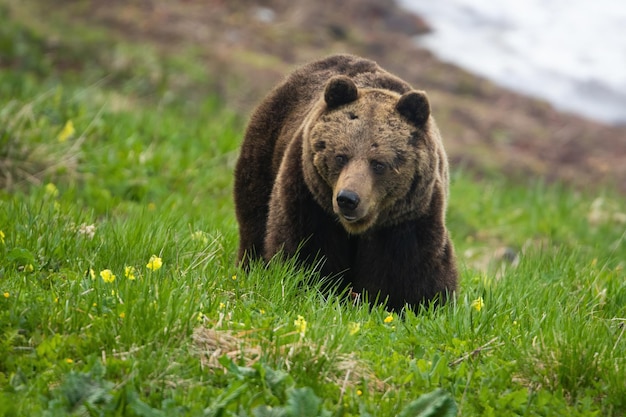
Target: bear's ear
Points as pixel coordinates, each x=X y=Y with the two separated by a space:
x=340 y=90
x=415 y=107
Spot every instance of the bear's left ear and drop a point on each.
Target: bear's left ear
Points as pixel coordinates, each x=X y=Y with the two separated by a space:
x=340 y=90
x=415 y=107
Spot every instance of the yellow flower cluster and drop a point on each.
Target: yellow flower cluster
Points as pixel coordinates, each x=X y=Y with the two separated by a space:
x=67 y=131
x=300 y=324
x=2 y=236
x=107 y=276
x=129 y=272
x=154 y=263
x=52 y=190
x=478 y=304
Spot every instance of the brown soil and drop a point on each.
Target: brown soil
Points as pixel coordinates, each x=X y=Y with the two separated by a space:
x=249 y=46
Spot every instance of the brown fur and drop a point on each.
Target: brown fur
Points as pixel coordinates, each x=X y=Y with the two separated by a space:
x=343 y=162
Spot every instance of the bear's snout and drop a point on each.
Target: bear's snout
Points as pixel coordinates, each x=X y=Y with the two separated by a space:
x=348 y=201
x=354 y=198
x=354 y=210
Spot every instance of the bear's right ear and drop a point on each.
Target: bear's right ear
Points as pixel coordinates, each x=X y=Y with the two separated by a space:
x=340 y=90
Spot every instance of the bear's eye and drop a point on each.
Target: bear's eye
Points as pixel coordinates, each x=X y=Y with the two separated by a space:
x=341 y=160
x=378 y=167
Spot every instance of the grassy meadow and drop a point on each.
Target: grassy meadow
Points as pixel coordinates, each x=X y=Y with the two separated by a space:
x=119 y=294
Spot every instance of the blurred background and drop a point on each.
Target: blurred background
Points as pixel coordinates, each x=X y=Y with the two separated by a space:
x=571 y=53
x=524 y=89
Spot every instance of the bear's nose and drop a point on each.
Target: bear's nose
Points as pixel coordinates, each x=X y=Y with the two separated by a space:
x=347 y=200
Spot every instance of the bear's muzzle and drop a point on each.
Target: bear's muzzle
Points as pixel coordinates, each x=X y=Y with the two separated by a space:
x=348 y=201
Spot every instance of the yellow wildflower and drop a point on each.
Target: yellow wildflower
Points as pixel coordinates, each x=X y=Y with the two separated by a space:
x=154 y=263
x=388 y=319
x=6 y=294
x=359 y=392
x=92 y=273
x=129 y=272
x=234 y=277
x=107 y=275
x=354 y=328
x=222 y=306
x=51 y=190
x=67 y=131
x=478 y=304
x=2 y=237
x=29 y=268
x=69 y=360
x=122 y=315
x=300 y=324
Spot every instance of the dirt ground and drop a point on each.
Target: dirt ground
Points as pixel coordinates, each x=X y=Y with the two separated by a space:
x=248 y=46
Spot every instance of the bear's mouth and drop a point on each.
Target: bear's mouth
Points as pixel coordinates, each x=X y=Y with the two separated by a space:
x=356 y=224
x=349 y=218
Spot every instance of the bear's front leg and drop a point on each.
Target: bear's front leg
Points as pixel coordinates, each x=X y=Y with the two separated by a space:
x=405 y=264
x=288 y=224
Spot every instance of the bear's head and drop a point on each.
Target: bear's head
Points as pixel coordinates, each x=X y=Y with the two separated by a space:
x=372 y=156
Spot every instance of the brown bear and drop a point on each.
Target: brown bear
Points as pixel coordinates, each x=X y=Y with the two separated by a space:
x=342 y=166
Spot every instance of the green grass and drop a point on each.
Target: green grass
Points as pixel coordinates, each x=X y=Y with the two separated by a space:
x=149 y=172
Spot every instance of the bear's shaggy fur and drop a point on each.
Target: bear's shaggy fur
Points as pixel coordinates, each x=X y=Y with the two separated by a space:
x=343 y=163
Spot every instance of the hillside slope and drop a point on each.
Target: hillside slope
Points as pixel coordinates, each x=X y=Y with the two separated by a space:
x=248 y=46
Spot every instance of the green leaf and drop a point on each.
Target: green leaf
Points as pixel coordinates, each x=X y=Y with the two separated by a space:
x=267 y=411
x=140 y=408
x=81 y=389
x=277 y=381
x=438 y=403
x=240 y=372
x=303 y=402
x=21 y=256
x=226 y=398
x=49 y=348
